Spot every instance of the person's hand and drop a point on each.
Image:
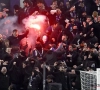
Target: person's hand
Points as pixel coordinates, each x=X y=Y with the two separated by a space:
x=67 y=25
x=37 y=69
x=90 y=23
x=5 y=63
x=92 y=29
x=84 y=35
x=81 y=33
x=55 y=64
x=48 y=68
x=27 y=59
x=81 y=64
x=84 y=24
x=96 y=45
x=41 y=65
x=14 y=63
x=24 y=65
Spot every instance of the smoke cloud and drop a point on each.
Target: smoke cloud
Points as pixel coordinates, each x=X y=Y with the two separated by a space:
x=8 y=24
x=36 y=25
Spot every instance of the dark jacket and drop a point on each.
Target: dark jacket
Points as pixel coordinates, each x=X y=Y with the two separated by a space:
x=14 y=75
x=4 y=81
x=2 y=49
x=15 y=41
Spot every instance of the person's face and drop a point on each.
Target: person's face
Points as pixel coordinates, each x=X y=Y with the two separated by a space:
x=25 y=4
x=49 y=80
x=75 y=27
x=39 y=4
x=55 y=3
x=85 y=45
x=92 y=34
x=97 y=1
x=64 y=38
x=84 y=14
x=7 y=43
x=44 y=38
x=15 y=34
x=70 y=48
x=88 y=20
x=55 y=25
x=8 y=50
x=72 y=20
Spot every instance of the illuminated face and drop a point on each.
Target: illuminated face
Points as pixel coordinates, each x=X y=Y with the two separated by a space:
x=15 y=34
x=44 y=38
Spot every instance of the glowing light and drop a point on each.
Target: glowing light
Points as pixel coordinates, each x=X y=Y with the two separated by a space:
x=36 y=26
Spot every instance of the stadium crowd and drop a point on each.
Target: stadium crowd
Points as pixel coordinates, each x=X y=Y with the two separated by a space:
x=71 y=44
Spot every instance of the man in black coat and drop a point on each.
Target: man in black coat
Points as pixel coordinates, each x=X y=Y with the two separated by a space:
x=14 y=77
x=97 y=29
x=15 y=39
x=4 y=79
